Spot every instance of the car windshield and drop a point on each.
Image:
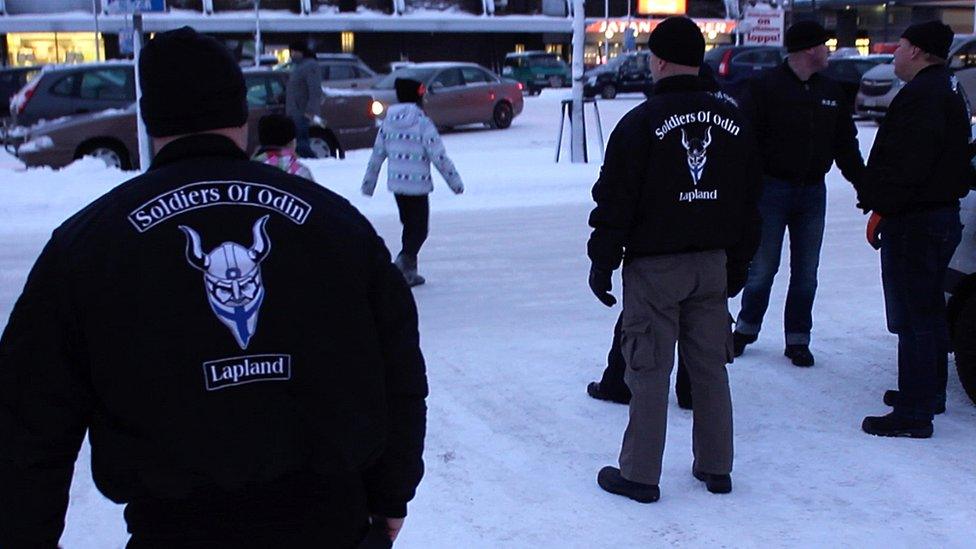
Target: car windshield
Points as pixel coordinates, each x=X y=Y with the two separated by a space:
x=617 y=62
x=414 y=73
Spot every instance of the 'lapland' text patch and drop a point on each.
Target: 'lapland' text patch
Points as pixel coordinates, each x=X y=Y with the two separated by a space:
x=228 y=372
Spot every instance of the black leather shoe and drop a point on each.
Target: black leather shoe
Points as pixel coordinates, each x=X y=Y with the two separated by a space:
x=716 y=484
x=800 y=355
x=597 y=392
x=739 y=342
x=891 y=398
x=893 y=425
x=684 y=399
x=610 y=480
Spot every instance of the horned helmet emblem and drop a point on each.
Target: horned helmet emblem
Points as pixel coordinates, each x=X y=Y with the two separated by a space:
x=232 y=277
x=697 y=153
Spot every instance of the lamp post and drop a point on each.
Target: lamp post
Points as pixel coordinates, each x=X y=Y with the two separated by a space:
x=577 y=144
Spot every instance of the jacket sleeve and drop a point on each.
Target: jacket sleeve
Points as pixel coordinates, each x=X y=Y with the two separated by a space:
x=847 y=151
x=392 y=481
x=375 y=163
x=438 y=155
x=739 y=256
x=44 y=408
x=907 y=147
x=617 y=192
x=314 y=82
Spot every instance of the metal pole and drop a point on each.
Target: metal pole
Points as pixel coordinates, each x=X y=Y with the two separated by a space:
x=257 y=33
x=98 y=54
x=577 y=141
x=145 y=152
x=606 y=40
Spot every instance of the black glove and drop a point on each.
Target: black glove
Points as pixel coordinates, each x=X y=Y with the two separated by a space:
x=736 y=280
x=601 y=285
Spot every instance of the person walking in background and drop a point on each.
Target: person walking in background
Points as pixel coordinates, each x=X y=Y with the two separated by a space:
x=303 y=95
x=307 y=426
x=276 y=135
x=409 y=140
x=676 y=202
x=917 y=172
x=803 y=124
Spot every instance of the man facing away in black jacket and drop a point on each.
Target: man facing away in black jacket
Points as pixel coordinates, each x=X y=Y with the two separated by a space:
x=803 y=124
x=917 y=172
x=676 y=202
x=236 y=343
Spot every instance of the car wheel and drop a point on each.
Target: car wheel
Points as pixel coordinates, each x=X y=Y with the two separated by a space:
x=113 y=155
x=502 y=117
x=964 y=346
x=609 y=91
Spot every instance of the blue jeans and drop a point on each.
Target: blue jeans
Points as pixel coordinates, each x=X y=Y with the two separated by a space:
x=302 y=147
x=915 y=253
x=801 y=209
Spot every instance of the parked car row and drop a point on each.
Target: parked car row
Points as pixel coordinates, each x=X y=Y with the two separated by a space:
x=67 y=112
x=110 y=133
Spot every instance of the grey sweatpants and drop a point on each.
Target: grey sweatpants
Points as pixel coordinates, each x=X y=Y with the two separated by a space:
x=667 y=297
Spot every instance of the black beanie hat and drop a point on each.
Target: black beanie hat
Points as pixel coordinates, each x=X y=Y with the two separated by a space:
x=190 y=84
x=275 y=130
x=678 y=40
x=407 y=90
x=804 y=35
x=933 y=37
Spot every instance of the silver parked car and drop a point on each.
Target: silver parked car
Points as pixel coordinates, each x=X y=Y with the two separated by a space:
x=458 y=94
x=880 y=85
x=960 y=284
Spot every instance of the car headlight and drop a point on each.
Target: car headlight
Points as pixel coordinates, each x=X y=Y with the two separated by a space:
x=377 y=108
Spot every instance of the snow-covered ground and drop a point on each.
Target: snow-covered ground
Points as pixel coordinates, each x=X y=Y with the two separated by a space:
x=512 y=335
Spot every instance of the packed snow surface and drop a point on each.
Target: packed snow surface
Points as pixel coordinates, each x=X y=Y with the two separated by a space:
x=512 y=335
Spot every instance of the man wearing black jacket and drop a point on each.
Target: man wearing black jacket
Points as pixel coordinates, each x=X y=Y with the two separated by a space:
x=676 y=201
x=611 y=386
x=917 y=172
x=803 y=124
x=236 y=342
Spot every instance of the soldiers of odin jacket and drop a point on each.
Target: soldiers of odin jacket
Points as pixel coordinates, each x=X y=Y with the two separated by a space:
x=681 y=174
x=802 y=127
x=920 y=157
x=215 y=324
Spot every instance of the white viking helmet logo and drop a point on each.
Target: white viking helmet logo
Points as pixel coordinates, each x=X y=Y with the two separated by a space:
x=232 y=276
x=697 y=153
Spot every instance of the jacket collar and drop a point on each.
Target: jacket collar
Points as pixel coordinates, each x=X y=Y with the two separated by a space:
x=196 y=146
x=681 y=83
x=785 y=66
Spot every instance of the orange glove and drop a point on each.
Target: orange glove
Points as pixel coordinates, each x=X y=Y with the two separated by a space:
x=874 y=231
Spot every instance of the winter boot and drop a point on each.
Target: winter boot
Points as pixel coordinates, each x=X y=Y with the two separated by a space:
x=408 y=266
x=595 y=390
x=716 y=484
x=739 y=342
x=893 y=398
x=893 y=425
x=800 y=355
x=612 y=481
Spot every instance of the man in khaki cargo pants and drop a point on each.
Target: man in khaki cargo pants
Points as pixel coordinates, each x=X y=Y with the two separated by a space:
x=676 y=201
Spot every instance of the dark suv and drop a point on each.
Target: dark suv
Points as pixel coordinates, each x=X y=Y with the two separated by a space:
x=628 y=72
x=736 y=65
x=74 y=89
